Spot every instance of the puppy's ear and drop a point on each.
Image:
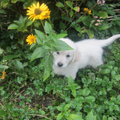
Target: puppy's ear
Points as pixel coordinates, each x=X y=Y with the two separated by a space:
x=76 y=56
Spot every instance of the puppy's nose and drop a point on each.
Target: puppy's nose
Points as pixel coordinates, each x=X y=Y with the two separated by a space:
x=60 y=64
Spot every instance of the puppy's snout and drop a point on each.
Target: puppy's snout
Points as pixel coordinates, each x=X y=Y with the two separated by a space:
x=60 y=64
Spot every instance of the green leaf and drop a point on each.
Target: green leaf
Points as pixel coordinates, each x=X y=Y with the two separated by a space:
x=105 y=71
x=85 y=92
x=89 y=99
x=2 y=67
x=60 y=115
x=110 y=118
x=9 y=57
x=4 y=3
x=59 y=4
x=118 y=97
x=77 y=9
x=86 y=20
x=71 y=13
x=90 y=116
x=48 y=88
x=53 y=38
x=19 y=79
x=71 y=85
x=21 y=18
x=69 y=3
x=103 y=14
x=75 y=117
x=48 y=27
x=90 y=34
x=14 y=1
x=62 y=26
x=13 y=26
x=60 y=108
x=39 y=52
x=46 y=74
x=29 y=22
x=17 y=22
x=66 y=107
x=67 y=19
x=117 y=77
x=48 y=62
x=2 y=11
x=40 y=35
x=104 y=117
x=62 y=35
x=90 y=4
x=103 y=26
x=77 y=27
x=3 y=113
x=38 y=40
x=18 y=64
x=22 y=97
x=62 y=46
x=1 y=51
x=37 y=24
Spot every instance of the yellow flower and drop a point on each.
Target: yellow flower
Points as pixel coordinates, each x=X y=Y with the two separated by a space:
x=87 y=10
x=3 y=75
x=37 y=11
x=31 y=39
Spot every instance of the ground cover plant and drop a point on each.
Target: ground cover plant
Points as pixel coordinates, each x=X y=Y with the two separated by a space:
x=30 y=30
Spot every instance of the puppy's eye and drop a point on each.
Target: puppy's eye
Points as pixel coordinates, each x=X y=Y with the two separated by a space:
x=58 y=53
x=67 y=55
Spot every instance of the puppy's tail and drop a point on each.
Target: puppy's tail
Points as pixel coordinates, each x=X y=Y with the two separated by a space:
x=108 y=41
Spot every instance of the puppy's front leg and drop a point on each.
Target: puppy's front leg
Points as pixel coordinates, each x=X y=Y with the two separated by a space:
x=72 y=74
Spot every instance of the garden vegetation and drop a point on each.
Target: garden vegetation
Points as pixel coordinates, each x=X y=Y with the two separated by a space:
x=29 y=32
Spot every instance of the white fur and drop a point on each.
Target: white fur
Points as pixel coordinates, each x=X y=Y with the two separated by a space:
x=87 y=52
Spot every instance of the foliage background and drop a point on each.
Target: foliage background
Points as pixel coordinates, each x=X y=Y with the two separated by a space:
x=23 y=95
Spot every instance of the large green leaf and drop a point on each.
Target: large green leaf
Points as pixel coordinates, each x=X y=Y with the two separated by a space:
x=29 y=22
x=48 y=62
x=102 y=14
x=2 y=67
x=75 y=117
x=86 y=20
x=103 y=26
x=62 y=35
x=9 y=57
x=40 y=35
x=85 y=92
x=69 y=3
x=18 y=64
x=89 y=99
x=48 y=27
x=90 y=116
x=39 y=52
x=105 y=71
x=62 y=46
x=90 y=34
x=13 y=26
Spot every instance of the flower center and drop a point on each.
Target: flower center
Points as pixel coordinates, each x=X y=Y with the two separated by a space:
x=37 y=11
x=32 y=40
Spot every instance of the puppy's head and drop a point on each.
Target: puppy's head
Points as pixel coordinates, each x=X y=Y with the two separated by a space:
x=63 y=58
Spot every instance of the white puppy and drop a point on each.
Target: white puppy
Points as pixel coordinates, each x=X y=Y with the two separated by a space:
x=87 y=52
